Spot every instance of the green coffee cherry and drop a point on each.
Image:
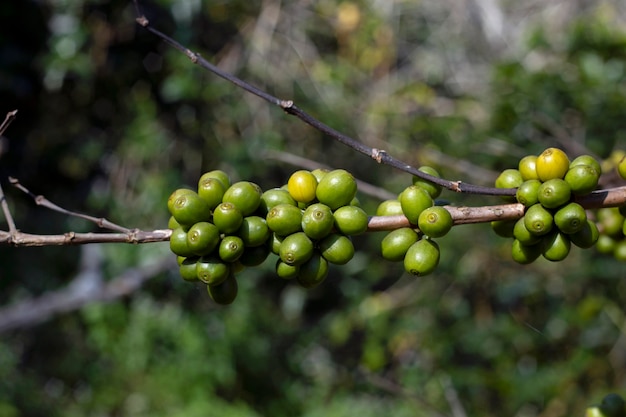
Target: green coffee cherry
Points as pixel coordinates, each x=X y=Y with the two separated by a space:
x=509 y=178
x=587 y=236
x=527 y=193
x=389 y=208
x=317 y=221
x=414 y=200
x=231 y=248
x=570 y=218
x=523 y=235
x=336 y=189
x=212 y=270
x=524 y=254
x=503 y=228
x=313 y=272
x=187 y=269
x=351 y=220
x=422 y=257
x=178 y=243
x=254 y=231
x=538 y=220
x=188 y=208
x=582 y=179
x=606 y=244
x=302 y=185
x=611 y=221
x=621 y=168
x=554 y=193
x=555 y=246
x=227 y=217
x=203 y=238
x=275 y=242
x=587 y=160
x=172 y=223
x=284 y=219
x=435 y=221
x=245 y=195
x=272 y=198
x=296 y=249
x=613 y=405
x=395 y=245
x=175 y=194
x=226 y=292
x=286 y=271
x=433 y=190
x=319 y=173
x=528 y=168
x=336 y=248
x=211 y=190
x=254 y=256
x=217 y=174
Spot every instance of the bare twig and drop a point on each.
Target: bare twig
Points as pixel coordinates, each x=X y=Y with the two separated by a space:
x=7 y=213
x=290 y=107
x=40 y=200
x=7 y=121
x=133 y=236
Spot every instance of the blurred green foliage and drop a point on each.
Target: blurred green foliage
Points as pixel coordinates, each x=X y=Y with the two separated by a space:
x=111 y=120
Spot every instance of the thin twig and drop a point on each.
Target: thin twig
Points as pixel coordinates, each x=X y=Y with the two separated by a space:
x=40 y=200
x=7 y=212
x=134 y=236
x=290 y=107
x=7 y=121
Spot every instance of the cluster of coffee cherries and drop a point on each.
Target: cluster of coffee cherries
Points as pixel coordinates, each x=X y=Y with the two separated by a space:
x=415 y=245
x=547 y=185
x=221 y=228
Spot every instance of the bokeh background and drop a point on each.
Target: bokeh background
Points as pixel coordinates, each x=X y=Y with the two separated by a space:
x=111 y=120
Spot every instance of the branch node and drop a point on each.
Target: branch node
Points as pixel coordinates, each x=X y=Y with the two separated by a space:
x=142 y=21
x=69 y=236
x=192 y=56
x=378 y=154
x=286 y=104
x=456 y=186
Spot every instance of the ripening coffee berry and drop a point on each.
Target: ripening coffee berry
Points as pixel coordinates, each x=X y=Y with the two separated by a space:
x=538 y=220
x=503 y=228
x=319 y=173
x=284 y=219
x=523 y=235
x=172 y=223
x=621 y=168
x=245 y=195
x=552 y=163
x=351 y=220
x=203 y=238
x=587 y=160
x=336 y=248
x=296 y=249
x=336 y=189
x=302 y=185
x=286 y=271
x=582 y=179
x=397 y=242
x=389 y=208
x=175 y=194
x=313 y=272
x=422 y=257
x=178 y=243
x=254 y=231
x=217 y=174
x=227 y=217
x=211 y=190
x=570 y=218
x=435 y=221
x=317 y=221
x=414 y=199
x=188 y=208
x=272 y=198
x=524 y=254
x=212 y=270
x=555 y=246
x=226 y=292
x=187 y=269
x=587 y=236
x=527 y=193
x=528 y=167
x=434 y=190
x=554 y=193
x=509 y=178
x=254 y=256
x=230 y=248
